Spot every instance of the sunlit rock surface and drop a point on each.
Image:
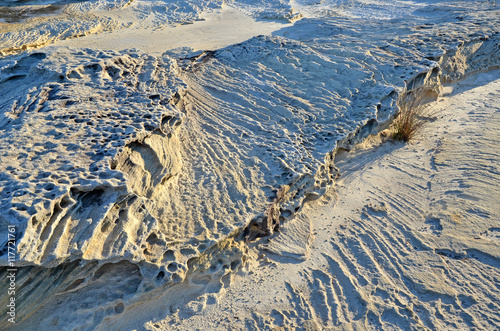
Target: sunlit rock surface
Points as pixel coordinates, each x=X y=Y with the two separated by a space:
x=121 y=169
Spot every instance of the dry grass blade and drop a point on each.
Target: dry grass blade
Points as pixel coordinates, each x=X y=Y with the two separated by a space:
x=413 y=113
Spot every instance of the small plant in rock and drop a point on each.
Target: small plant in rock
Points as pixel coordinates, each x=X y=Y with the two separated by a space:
x=414 y=113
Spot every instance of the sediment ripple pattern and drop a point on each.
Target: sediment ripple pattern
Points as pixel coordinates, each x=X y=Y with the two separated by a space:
x=425 y=259
x=143 y=163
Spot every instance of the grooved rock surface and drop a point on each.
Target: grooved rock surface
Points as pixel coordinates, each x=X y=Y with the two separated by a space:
x=161 y=168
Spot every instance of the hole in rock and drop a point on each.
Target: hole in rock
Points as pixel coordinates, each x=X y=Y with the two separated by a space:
x=119 y=308
x=160 y=275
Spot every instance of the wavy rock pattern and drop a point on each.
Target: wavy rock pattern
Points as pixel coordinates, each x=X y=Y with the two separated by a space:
x=146 y=164
x=423 y=259
x=411 y=242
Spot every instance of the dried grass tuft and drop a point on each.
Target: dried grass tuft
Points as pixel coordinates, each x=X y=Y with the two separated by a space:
x=414 y=113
